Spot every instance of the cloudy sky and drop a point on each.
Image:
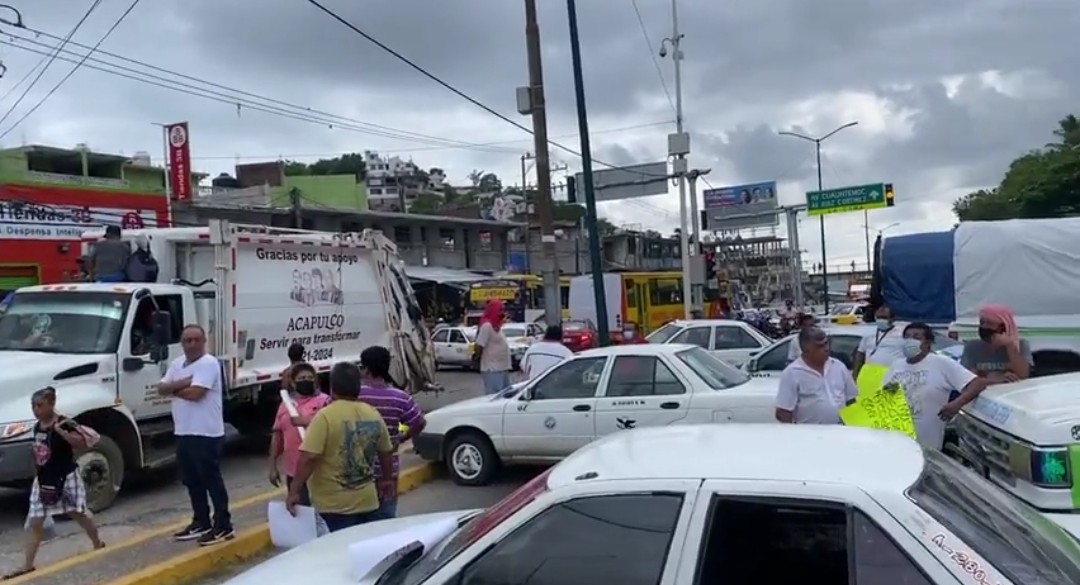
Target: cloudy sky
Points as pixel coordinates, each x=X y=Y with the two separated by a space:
x=946 y=92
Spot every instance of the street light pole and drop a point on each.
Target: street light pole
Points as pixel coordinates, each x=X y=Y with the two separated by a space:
x=866 y=223
x=680 y=164
x=821 y=218
x=697 y=288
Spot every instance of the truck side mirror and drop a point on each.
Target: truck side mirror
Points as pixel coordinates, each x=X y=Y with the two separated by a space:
x=161 y=324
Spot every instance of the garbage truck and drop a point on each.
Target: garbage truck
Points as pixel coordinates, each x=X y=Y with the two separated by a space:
x=254 y=290
x=1023 y=436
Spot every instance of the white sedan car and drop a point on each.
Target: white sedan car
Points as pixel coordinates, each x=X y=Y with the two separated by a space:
x=713 y=504
x=454 y=346
x=595 y=393
x=729 y=340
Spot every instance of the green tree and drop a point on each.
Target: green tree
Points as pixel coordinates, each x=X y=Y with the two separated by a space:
x=1043 y=183
x=346 y=164
x=427 y=204
x=489 y=183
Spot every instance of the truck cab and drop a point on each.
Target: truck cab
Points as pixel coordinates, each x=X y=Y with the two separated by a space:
x=103 y=347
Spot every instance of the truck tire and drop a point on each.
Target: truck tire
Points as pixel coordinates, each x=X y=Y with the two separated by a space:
x=471 y=458
x=102 y=470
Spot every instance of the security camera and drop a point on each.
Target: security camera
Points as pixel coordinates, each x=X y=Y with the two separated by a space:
x=663 y=51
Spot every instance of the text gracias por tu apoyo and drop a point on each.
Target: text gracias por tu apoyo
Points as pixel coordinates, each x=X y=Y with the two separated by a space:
x=331 y=323
x=305 y=257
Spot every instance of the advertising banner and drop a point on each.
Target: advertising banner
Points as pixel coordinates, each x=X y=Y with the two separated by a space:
x=29 y=221
x=180 y=188
x=742 y=206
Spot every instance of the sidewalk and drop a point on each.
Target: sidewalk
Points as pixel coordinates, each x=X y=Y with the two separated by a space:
x=156 y=546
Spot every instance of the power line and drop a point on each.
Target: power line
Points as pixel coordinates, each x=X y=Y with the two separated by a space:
x=50 y=60
x=63 y=80
x=330 y=118
x=652 y=54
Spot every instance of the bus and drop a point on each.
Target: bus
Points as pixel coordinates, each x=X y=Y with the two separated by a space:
x=510 y=292
x=646 y=299
x=533 y=293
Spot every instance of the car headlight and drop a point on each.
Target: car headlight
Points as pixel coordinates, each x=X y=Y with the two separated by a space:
x=1044 y=467
x=12 y=430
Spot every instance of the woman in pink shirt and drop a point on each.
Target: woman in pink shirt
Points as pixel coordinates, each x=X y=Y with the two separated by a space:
x=285 y=441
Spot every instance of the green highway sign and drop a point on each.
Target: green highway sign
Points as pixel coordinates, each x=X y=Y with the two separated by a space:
x=857 y=198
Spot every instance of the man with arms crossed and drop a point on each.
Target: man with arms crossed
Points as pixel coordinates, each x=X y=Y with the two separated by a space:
x=814 y=387
x=194 y=383
x=337 y=457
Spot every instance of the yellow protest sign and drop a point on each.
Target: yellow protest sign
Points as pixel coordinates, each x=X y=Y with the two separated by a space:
x=870 y=379
x=880 y=410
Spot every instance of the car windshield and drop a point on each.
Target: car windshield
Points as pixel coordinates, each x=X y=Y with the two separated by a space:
x=664 y=333
x=1020 y=542
x=63 y=322
x=575 y=326
x=842 y=309
x=715 y=372
x=513 y=331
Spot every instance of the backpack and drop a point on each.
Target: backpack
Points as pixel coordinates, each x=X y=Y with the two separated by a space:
x=142 y=267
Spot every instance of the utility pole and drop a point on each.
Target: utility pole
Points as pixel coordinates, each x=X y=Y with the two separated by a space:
x=528 y=214
x=679 y=147
x=297 y=208
x=597 y=265
x=697 y=273
x=821 y=218
x=544 y=211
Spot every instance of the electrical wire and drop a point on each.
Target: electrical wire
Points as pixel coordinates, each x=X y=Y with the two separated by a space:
x=270 y=102
x=652 y=55
x=50 y=60
x=64 y=79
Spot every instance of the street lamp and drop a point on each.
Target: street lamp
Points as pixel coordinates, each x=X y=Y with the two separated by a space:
x=817 y=146
x=675 y=51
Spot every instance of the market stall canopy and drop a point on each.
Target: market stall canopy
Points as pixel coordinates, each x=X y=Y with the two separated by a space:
x=443 y=275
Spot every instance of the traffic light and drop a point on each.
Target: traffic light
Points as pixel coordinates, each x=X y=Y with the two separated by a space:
x=890 y=198
x=704 y=220
x=571 y=189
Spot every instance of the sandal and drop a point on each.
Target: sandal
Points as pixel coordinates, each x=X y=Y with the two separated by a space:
x=17 y=573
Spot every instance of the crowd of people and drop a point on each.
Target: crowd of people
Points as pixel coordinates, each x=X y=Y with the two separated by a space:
x=815 y=386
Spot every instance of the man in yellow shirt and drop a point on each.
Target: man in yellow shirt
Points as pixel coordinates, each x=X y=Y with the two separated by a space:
x=338 y=456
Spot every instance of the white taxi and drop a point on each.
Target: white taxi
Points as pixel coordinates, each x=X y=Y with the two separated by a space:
x=454 y=346
x=713 y=504
x=595 y=393
x=730 y=340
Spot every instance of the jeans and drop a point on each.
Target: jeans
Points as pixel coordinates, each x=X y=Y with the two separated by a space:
x=494 y=382
x=305 y=498
x=336 y=522
x=199 y=459
x=387 y=510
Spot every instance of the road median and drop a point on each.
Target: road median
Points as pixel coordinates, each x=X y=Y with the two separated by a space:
x=153 y=558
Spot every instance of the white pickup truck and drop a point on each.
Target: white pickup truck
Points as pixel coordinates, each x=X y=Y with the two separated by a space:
x=255 y=290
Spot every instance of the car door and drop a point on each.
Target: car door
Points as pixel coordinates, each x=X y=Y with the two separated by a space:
x=458 y=349
x=771 y=362
x=441 y=340
x=734 y=344
x=640 y=391
x=146 y=375
x=699 y=335
x=556 y=415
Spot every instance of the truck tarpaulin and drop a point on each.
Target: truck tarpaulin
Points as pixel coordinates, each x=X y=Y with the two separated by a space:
x=916 y=276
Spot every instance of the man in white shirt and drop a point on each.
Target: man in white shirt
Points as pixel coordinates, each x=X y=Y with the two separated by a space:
x=882 y=347
x=794 y=351
x=195 y=385
x=816 y=386
x=543 y=355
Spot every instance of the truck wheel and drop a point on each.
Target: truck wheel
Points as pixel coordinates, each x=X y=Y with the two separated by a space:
x=471 y=459
x=102 y=470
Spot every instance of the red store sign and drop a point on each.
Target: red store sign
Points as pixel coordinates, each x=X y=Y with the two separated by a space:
x=179 y=161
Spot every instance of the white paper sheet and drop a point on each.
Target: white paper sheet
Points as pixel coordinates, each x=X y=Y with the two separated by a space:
x=367 y=554
x=290 y=406
x=288 y=531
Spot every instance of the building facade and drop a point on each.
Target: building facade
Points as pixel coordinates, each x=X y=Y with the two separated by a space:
x=49 y=196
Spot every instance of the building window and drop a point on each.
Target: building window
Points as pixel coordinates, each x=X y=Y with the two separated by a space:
x=446 y=236
x=402 y=234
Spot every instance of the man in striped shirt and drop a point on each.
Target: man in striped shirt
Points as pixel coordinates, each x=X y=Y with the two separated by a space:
x=396 y=407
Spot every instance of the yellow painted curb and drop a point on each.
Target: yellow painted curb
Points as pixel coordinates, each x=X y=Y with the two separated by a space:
x=206 y=561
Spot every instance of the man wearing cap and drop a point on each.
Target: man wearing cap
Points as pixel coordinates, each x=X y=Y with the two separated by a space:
x=814 y=387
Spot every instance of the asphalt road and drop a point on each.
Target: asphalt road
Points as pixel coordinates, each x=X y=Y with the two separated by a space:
x=160 y=499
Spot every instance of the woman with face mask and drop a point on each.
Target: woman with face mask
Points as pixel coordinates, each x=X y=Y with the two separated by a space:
x=929 y=382
x=285 y=440
x=999 y=354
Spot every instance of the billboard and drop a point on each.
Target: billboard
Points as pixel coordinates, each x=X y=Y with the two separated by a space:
x=742 y=206
x=179 y=162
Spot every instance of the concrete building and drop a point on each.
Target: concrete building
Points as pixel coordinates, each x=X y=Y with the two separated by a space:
x=393 y=183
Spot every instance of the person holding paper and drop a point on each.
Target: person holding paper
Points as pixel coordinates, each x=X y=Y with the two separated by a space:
x=815 y=386
x=927 y=380
x=338 y=454
x=883 y=347
x=285 y=439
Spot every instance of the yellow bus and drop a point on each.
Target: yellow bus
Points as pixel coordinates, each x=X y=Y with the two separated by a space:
x=647 y=299
x=533 y=294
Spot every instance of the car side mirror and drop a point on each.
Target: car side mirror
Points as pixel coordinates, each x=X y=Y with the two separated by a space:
x=751 y=366
x=132 y=364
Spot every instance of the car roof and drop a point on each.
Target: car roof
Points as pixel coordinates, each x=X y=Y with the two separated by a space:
x=636 y=349
x=706 y=322
x=866 y=458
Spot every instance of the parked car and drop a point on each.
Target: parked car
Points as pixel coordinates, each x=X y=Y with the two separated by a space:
x=454 y=346
x=519 y=336
x=713 y=504
x=843 y=341
x=596 y=393
x=579 y=335
x=730 y=340
x=848 y=313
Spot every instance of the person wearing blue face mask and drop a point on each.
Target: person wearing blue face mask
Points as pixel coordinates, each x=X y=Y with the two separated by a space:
x=882 y=347
x=928 y=381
